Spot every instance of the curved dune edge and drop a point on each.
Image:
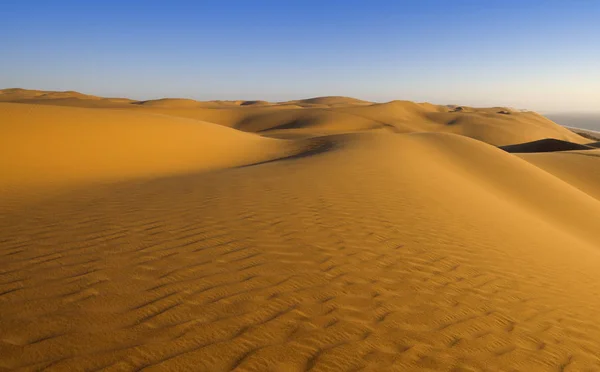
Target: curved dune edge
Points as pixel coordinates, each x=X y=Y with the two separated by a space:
x=47 y=146
x=498 y=126
x=581 y=169
x=521 y=183
x=487 y=125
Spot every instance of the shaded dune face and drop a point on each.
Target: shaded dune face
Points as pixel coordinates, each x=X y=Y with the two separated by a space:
x=320 y=234
x=547 y=145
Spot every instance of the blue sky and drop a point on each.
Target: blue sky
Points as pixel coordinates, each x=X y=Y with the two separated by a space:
x=540 y=55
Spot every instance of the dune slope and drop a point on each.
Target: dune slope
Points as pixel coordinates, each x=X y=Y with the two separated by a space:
x=580 y=169
x=380 y=251
x=46 y=146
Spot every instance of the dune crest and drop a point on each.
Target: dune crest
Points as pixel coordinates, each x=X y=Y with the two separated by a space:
x=330 y=101
x=499 y=126
x=46 y=145
x=170 y=103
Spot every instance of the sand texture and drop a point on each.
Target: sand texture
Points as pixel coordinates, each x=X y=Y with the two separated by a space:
x=327 y=234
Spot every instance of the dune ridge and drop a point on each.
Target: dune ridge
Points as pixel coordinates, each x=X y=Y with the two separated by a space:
x=497 y=125
x=58 y=146
x=322 y=234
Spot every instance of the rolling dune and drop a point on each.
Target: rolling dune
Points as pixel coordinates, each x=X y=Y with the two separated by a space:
x=326 y=115
x=578 y=168
x=171 y=103
x=323 y=234
x=57 y=146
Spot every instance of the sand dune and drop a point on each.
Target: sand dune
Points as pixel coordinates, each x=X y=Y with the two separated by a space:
x=325 y=115
x=578 y=168
x=325 y=234
x=398 y=116
x=586 y=133
x=171 y=103
x=328 y=101
x=18 y=94
x=45 y=145
x=546 y=145
x=68 y=98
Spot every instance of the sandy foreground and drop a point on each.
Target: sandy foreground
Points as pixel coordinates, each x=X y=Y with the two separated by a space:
x=327 y=234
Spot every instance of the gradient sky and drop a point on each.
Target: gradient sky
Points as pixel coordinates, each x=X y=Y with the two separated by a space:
x=539 y=55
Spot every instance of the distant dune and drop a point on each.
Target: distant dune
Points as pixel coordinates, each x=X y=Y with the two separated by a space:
x=497 y=125
x=322 y=234
x=17 y=94
x=171 y=103
x=254 y=103
x=328 y=101
x=586 y=133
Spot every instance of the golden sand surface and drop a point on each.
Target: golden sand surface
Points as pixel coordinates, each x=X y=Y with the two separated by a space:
x=328 y=234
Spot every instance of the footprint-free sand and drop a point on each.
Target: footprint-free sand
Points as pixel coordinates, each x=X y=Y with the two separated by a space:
x=326 y=234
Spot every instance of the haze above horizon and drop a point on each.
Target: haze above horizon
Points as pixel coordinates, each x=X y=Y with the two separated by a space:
x=539 y=55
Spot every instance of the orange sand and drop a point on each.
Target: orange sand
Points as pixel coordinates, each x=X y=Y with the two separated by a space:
x=324 y=234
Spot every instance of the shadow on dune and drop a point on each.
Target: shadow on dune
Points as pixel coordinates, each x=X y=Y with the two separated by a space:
x=254 y=103
x=546 y=145
x=294 y=124
x=315 y=147
x=594 y=145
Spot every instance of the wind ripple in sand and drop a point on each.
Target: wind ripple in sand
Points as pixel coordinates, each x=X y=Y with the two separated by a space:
x=206 y=248
x=328 y=262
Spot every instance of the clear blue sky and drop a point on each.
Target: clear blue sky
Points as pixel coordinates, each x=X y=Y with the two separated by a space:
x=540 y=55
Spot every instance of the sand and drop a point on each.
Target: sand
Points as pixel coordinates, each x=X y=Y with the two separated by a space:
x=546 y=145
x=350 y=235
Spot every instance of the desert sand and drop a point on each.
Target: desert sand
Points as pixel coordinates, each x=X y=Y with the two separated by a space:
x=324 y=234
